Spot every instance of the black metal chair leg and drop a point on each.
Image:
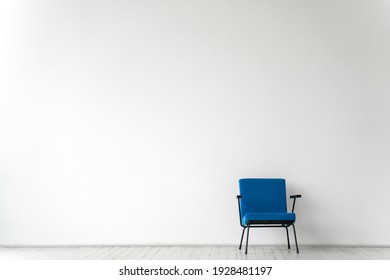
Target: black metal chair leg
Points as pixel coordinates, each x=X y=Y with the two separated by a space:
x=247 y=239
x=242 y=237
x=295 y=236
x=288 y=238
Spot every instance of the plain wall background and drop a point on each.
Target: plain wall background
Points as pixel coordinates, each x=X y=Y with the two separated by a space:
x=130 y=122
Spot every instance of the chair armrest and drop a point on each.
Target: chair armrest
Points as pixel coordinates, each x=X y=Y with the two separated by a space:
x=239 y=209
x=295 y=196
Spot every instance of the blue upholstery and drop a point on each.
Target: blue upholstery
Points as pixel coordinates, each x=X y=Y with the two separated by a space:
x=264 y=200
x=268 y=217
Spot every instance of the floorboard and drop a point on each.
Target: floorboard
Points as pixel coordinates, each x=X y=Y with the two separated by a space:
x=194 y=253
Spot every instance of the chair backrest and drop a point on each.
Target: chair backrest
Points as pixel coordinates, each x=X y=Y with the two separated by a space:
x=263 y=195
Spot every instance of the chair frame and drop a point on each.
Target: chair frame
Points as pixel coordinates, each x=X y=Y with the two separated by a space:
x=262 y=224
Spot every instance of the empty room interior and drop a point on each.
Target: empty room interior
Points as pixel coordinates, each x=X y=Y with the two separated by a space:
x=131 y=129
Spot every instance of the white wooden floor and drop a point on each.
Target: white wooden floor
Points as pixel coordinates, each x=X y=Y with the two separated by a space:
x=193 y=253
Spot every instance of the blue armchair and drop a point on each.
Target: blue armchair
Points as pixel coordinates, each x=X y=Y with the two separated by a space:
x=262 y=203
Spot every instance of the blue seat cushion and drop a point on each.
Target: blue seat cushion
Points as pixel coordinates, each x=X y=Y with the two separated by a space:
x=267 y=217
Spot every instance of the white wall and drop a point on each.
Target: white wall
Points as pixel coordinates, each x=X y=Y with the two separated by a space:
x=130 y=122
